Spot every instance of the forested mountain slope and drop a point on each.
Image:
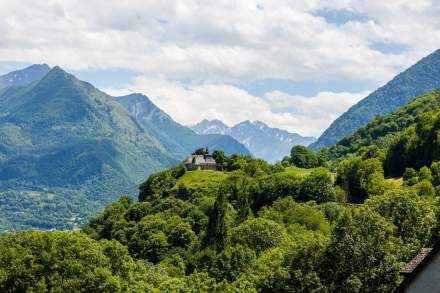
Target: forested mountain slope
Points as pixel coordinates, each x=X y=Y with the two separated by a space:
x=68 y=149
x=176 y=137
x=383 y=129
x=421 y=78
x=254 y=227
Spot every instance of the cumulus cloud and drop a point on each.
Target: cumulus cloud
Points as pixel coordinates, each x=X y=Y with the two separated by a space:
x=190 y=104
x=222 y=41
x=194 y=55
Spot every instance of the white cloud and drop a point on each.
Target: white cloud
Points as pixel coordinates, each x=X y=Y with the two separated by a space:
x=221 y=41
x=312 y=115
x=213 y=45
x=190 y=104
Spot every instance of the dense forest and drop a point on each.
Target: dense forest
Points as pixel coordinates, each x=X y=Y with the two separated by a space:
x=381 y=131
x=419 y=79
x=314 y=222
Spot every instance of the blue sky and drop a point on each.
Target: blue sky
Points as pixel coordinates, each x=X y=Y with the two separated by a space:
x=341 y=16
x=295 y=65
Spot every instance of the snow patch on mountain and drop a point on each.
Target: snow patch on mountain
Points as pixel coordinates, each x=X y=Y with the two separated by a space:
x=271 y=144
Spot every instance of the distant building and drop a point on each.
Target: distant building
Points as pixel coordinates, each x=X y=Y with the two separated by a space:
x=422 y=273
x=201 y=162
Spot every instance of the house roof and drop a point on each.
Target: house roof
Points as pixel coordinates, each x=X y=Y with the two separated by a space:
x=416 y=265
x=199 y=159
x=410 y=266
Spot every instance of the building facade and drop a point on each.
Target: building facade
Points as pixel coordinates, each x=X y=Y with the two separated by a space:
x=200 y=162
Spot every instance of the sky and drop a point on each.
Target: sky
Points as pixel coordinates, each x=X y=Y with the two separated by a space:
x=295 y=65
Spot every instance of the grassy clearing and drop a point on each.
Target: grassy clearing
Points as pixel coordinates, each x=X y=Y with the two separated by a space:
x=206 y=182
x=397 y=182
x=203 y=182
x=298 y=171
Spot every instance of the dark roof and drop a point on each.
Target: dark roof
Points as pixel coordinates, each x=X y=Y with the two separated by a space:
x=410 y=266
x=200 y=159
x=416 y=265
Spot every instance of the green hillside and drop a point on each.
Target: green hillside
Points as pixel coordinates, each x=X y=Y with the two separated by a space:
x=421 y=78
x=66 y=150
x=176 y=137
x=381 y=131
x=253 y=227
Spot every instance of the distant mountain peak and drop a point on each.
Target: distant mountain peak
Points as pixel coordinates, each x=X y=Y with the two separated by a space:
x=57 y=70
x=24 y=76
x=263 y=141
x=138 y=97
x=252 y=123
x=214 y=126
x=212 y=121
x=43 y=67
x=140 y=105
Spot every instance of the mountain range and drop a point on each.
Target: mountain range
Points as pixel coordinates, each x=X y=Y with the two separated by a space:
x=24 y=76
x=421 y=78
x=67 y=149
x=271 y=144
x=177 y=138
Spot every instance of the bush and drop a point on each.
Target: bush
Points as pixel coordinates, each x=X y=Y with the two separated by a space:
x=303 y=157
x=258 y=234
x=318 y=186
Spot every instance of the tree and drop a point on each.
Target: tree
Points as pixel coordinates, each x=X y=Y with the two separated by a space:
x=272 y=187
x=216 y=231
x=425 y=174
x=227 y=264
x=318 y=186
x=220 y=158
x=361 y=178
x=289 y=213
x=424 y=188
x=400 y=153
x=371 y=177
x=37 y=261
x=361 y=256
x=183 y=192
x=285 y=161
x=238 y=187
x=258 y=234
x=157 y=186
x=111 y=222
x=435 y=170
x=413 y=216
x=154 y=237
x=303 y=157
x=410 y=176
x=199 y=151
